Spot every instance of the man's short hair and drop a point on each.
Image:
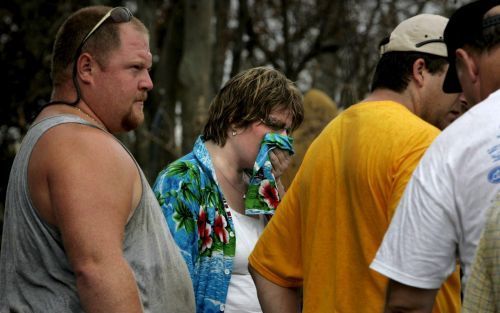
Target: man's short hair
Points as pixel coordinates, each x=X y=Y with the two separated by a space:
x=394 y=69
x=420 y=36
x=468 y=26
x=73 y=30
x=251 y=96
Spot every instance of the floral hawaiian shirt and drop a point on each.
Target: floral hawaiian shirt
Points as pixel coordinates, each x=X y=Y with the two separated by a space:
x=200 y=221
x=200 y=224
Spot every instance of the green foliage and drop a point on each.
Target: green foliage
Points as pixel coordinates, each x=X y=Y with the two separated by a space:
x=184 y=218
x=254 y=200
x=210 y=197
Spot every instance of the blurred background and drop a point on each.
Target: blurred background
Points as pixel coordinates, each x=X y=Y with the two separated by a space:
x=328 y=47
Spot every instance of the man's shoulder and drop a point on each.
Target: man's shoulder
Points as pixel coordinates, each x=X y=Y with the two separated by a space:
x=73 y=137
x=394 y=121
x=478 y=126
x=391 y=113
x=493 y=97
x=71 y=144
x=481 y=116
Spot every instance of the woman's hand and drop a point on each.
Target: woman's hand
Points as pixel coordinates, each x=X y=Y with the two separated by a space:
x=280 y=160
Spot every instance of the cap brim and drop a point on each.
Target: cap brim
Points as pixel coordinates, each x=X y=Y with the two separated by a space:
x=451 y=83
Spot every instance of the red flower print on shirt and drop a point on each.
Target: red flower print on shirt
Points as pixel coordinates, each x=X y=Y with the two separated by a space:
x=204 y=230
x=220 y=225
x=269 y=193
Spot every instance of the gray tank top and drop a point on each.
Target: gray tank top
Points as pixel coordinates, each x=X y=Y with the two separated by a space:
x=35 y=274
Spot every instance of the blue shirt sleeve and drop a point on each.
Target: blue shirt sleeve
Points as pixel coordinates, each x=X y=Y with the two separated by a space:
x=174 y=190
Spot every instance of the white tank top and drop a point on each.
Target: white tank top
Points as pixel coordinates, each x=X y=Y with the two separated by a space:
x=242 y=294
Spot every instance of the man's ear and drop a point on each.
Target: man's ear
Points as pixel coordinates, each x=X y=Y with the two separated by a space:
x=466 y=62
x=418 y=71
x=84 y=65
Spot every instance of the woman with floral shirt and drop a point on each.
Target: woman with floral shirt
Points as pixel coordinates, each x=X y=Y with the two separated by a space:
x=205 y=195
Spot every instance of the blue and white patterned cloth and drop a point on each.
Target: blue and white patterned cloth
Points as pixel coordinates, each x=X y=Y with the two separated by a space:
x=262 y=196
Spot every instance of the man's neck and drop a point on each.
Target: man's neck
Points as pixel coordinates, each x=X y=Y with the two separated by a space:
x=383 y=94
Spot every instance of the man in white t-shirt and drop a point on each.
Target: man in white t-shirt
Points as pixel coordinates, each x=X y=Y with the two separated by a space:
x=442 y=211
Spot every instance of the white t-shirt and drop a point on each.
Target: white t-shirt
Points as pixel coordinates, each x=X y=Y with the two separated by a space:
x=442 y=211
x=242 y=294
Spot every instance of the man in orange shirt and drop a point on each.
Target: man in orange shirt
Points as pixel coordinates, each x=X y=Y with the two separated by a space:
x=331 y=221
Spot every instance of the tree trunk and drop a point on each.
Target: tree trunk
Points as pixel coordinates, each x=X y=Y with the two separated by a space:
x=164 y=148
x=194 y=74
x=221 y=43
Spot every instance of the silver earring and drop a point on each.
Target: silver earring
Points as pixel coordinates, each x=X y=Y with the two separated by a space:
x=234 y=133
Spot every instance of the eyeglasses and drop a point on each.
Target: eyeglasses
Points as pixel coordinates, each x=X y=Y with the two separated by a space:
x=275 y=125
x=117 y=15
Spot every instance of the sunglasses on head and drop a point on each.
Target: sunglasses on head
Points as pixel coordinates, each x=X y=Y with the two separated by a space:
x=117 y=15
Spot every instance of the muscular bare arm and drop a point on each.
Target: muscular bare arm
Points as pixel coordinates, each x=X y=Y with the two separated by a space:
x=405 y=299
x=274 y=298
x=92 y=186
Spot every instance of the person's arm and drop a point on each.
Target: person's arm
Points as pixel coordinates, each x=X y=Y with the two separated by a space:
x=93 y=187
x=181 y=215
x=274 y=298
x=402 y=298
x=481 y=292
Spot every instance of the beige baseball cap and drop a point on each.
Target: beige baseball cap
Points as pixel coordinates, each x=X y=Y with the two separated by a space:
x=420 y=33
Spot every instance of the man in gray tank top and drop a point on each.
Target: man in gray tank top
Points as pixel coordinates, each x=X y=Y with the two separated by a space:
x=83 y=231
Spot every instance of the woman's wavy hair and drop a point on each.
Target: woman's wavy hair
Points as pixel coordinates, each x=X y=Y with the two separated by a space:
x=251 y=96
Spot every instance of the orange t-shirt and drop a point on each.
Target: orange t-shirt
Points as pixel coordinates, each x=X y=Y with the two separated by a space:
x=332 y=220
